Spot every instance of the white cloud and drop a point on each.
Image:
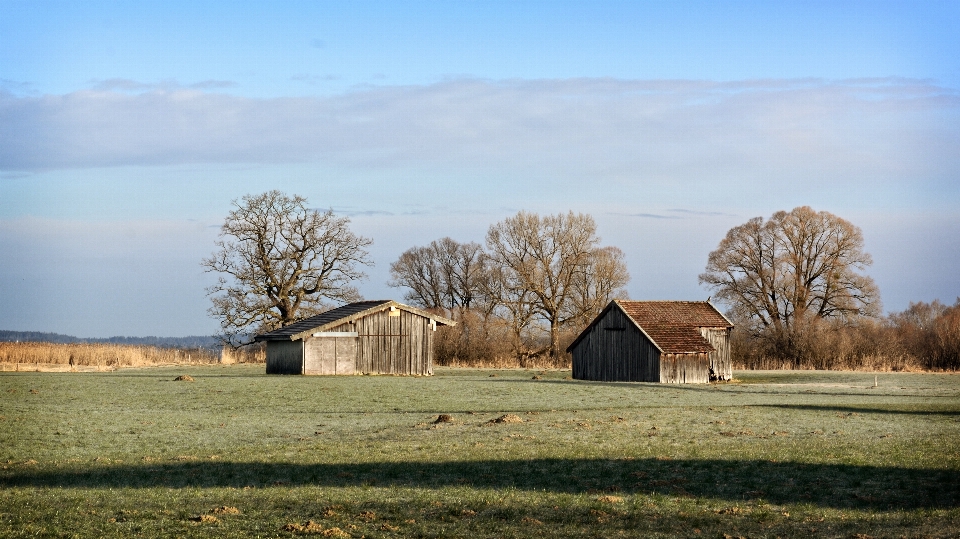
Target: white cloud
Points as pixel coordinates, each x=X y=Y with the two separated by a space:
x=815 y=131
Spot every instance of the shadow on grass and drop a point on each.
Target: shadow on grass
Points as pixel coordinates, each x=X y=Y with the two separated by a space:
x=825 y=485
x=856 y=409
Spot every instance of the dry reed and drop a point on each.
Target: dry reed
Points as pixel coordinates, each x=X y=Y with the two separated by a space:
x=113 y=355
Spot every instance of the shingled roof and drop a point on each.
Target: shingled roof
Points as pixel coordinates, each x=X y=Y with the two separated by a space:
x=673 y=326
x=340 y=315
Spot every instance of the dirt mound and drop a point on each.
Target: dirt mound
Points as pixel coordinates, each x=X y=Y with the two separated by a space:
x=225 y=510
x=183 y=378
x=444 y=418
x=507 y=418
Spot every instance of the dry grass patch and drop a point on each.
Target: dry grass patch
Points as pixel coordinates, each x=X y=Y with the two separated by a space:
x=225 y=510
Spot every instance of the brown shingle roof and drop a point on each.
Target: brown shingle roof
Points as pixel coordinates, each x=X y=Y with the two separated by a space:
x=674 y=325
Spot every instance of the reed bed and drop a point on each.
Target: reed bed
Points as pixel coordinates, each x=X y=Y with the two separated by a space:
x=83 y=356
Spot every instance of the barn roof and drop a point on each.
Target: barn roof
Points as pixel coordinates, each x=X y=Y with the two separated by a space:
x=341 y=315
x=672 y=326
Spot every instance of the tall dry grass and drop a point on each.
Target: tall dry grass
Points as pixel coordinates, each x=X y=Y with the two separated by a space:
x=489 y=342
x=115 y=355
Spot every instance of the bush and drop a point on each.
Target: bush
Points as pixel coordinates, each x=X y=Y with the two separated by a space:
x=926 y=336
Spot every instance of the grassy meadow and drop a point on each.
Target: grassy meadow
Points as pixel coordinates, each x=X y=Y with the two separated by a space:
x=235 y=453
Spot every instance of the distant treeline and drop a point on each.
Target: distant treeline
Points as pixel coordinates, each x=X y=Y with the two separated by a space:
x=194 y=341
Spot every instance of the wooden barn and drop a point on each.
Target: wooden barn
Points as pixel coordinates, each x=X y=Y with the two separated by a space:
x=654 y=341
x=366 y=337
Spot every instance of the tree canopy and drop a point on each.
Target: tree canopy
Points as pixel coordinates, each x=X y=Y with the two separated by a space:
x=279 y=262
x=797 y=267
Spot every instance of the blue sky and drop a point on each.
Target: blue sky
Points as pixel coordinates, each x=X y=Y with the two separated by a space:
x=126 y=128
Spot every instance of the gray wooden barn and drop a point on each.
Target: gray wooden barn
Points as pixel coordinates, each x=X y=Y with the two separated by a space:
x=654 y=341
x=366 y=337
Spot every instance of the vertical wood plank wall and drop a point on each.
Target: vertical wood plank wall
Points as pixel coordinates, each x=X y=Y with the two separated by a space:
x=685 y=368
x=284 y=357
x=615 y=350
x=385 y=344
x=719 y=359
x=394 y=344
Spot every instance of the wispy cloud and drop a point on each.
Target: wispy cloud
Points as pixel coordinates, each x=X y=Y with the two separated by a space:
x=169 y=85
x=313 y=79
x=646 y=215
x=682 y=132
x=353 y=212
x=17 y=87
x=213 y=84
x=701 y=213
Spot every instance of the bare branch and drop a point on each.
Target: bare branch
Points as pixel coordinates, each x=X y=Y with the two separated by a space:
x=280 y=261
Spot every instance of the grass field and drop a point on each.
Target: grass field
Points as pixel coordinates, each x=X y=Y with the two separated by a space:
x=236 y=453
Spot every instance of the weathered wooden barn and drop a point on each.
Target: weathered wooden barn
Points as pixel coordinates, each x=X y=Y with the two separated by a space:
x=654 y=341
x=366 y=337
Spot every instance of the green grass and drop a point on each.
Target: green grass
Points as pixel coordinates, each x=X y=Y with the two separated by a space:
x=133 y=453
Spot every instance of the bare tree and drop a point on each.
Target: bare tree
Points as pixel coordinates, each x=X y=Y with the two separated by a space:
x=443 y=275
x=799 y=267
x=547 y=267
x=279 y=261
x=603 y=280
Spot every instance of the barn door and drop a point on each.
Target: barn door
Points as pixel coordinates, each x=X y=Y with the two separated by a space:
x=346 y=350
x=331 y=353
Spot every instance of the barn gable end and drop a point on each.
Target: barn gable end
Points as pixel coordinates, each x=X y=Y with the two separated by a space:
x=375 y=337
x=654 y=341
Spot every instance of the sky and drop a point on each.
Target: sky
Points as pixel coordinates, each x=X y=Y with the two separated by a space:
x=128 y=128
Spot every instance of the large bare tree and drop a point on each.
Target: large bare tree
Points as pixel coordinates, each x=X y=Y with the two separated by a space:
x=798 y=267
x=445 y=275
x=549 y=267
x=279 y=262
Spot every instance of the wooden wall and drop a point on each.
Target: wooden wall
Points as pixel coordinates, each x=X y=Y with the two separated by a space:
x=284 y=357
x=720 y=362
x=691 y=368
x=399 y=344
x=385 y=344
x=614 y=350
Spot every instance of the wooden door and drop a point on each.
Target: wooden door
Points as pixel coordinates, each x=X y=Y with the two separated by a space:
x=346 y=352
x=320 y=356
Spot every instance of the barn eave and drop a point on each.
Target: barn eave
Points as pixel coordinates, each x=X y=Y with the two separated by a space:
x=352 y=317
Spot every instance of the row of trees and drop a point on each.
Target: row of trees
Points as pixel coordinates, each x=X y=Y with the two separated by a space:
x=536 y=278
x=280 y=261
x=794 y=285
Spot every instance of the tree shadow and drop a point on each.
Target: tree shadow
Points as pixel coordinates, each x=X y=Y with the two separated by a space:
x=825 y=485
x=856 y=409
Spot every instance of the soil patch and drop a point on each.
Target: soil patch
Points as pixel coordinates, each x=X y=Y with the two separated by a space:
x=507 y=418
